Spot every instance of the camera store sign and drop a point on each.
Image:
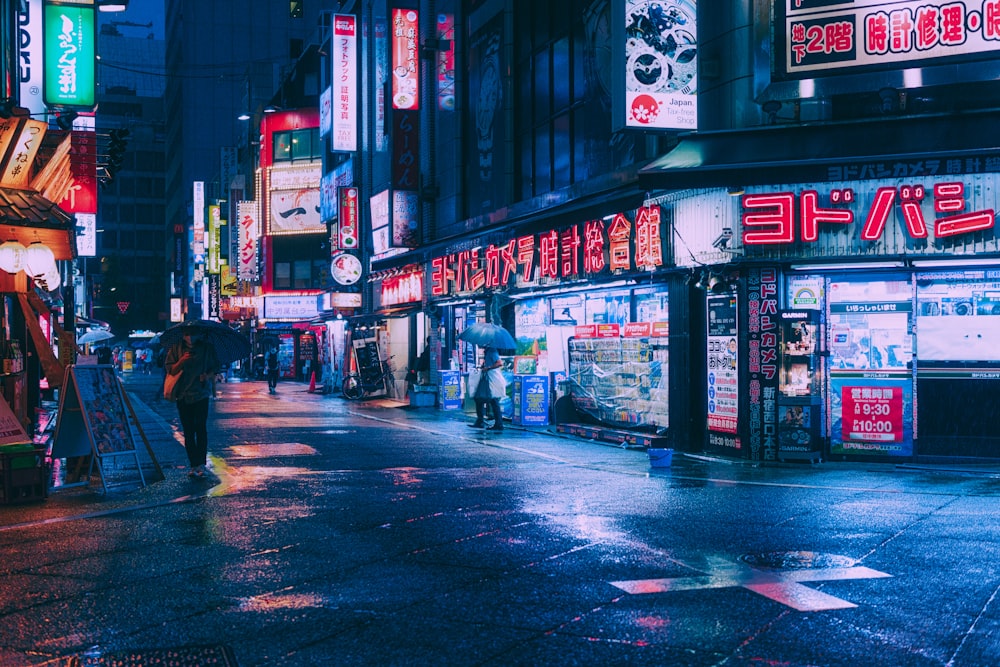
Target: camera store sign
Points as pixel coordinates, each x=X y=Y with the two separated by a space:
x=616 y=244
x=936 y=214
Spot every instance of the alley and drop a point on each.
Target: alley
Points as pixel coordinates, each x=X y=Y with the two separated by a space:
x=337 y=533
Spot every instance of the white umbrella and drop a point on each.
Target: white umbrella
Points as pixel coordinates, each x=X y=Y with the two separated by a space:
x=95 y=336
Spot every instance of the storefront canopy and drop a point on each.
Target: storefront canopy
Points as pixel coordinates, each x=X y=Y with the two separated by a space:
x=897 y=147
x=26 y=216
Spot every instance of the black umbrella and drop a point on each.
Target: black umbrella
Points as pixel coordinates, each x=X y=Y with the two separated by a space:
x=484 y=334
x=230 y=345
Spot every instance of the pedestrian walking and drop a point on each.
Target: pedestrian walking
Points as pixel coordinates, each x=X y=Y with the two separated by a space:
x=484 y=395
x=272 y=372
x=197 y=363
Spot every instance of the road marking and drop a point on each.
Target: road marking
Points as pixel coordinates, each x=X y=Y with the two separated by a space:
x=781 y=586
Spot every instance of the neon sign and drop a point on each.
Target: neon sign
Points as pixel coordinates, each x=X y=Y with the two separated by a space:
x=616 y=244
x=773 y=218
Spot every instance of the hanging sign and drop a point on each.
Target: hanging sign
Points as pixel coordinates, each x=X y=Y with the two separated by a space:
x=345 y=86
x=347 y=219
x=70 y=56
x=405 y=59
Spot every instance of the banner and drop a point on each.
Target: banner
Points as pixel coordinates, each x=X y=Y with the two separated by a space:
x=345 y=87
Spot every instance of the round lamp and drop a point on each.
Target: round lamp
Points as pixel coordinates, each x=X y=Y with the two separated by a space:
x=11 y=256
x=38 y=259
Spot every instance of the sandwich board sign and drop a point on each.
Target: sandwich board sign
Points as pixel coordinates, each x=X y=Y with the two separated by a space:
x=93 y=420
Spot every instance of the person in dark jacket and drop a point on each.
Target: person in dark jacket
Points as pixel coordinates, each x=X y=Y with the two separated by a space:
x=196 y=362
x=272 y=371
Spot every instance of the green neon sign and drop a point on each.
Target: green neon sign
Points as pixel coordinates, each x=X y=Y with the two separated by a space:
x=70 y=56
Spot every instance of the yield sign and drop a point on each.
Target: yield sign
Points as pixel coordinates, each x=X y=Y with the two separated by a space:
x=784 y=586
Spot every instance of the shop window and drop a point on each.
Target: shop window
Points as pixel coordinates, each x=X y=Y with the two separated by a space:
x=300 y=262
x=296 y=145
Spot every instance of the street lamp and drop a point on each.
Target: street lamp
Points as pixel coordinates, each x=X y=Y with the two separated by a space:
x=112 y=5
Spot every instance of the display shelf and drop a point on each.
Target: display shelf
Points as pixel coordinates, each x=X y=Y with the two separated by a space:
x=620 y=381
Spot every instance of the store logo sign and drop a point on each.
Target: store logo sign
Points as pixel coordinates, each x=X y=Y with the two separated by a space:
x=774 y=218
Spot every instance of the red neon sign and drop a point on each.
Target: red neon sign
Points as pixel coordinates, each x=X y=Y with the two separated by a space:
x=585 y=249
x=773 y=218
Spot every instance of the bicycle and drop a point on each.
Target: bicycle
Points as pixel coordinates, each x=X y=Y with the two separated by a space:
x=355 y=387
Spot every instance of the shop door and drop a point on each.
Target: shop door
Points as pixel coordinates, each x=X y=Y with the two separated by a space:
x=870 y=384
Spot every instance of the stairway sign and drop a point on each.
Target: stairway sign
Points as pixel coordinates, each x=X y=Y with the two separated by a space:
x=94 y=419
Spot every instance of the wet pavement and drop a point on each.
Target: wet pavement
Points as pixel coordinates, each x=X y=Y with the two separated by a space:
x=337 y=533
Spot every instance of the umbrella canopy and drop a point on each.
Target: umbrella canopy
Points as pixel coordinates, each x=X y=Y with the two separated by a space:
x=484 y=334
x=155 y=340
x=229 y=345
x=95 y=336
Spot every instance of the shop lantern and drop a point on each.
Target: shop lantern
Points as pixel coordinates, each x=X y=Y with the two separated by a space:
x=11 y=256
x=50 y=281
x=39 y=260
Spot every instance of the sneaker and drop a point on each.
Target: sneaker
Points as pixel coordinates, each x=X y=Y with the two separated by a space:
x=199 y=471
x=476 y=425
x=192 y=472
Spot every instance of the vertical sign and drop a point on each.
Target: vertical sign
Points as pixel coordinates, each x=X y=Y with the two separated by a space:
x=70 y=55
x=214 y=294
x=214 y=234
x=82 y=194
x=347 y=220
x=405 y=227
x=29 y=50
x=405 y=59
x=762 y=362
x=18 y=169
x=198 y=240
x=86 y=235
x=325 y=111
x=660 y=59
x=405 y=147
x=249 y=230
x=344 y=78
x=446 y=63
x=723 y=374
x=381 y=79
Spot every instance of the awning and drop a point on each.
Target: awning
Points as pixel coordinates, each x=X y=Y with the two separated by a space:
x=830 y=152
x=26 y=217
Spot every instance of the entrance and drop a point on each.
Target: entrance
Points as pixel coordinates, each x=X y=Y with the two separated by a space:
x=870 y=383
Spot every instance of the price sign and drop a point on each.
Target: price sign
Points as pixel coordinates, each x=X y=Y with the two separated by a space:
x=873 y=414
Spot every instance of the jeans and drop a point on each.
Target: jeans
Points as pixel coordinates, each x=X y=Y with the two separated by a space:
x=194 y=421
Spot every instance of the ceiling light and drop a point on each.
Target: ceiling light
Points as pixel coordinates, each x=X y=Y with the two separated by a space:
x=243 y=116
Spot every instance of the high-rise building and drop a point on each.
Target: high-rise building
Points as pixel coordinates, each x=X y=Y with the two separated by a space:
x=125 y=281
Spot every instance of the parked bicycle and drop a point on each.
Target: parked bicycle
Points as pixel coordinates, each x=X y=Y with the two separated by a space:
x=356 y=387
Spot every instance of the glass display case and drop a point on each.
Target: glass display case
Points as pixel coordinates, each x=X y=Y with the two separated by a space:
x=800 y=401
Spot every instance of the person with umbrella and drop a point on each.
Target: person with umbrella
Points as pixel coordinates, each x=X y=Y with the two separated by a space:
x=484 y=395
x=492 y=338
x=197 y=362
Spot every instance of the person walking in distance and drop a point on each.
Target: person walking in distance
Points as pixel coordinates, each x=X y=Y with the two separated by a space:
x=272 y=372
x=483 y=396
x=196 y=362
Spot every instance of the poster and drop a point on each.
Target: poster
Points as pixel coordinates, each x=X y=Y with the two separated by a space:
x=723 y=357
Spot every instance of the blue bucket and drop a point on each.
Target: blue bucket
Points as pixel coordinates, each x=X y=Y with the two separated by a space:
x=660 y=458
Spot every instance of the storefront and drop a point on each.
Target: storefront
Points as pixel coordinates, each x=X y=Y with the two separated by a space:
x=589 y=305
x=850 y=317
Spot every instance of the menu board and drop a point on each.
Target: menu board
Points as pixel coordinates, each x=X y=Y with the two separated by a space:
x=92 y=395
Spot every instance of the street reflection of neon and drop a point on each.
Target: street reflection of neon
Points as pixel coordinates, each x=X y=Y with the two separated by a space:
x=245 y=478
x=272 y=449
x=289 y=601
x=404 y=476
